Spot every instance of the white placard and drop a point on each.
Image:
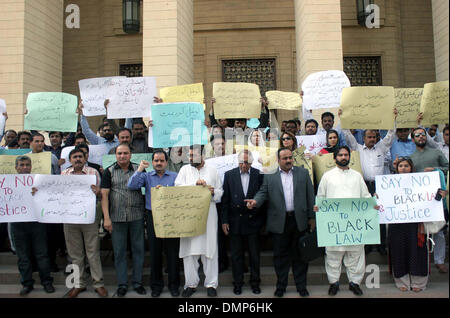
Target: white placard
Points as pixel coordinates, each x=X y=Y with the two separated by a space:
x=409 y=198
x=223 y=164
x=324 y=89
x=131 y=97
x=65 y=199
x=312 y=143
x=93 y=93
x=16 y=201
x=2 y=117
x=96 y=153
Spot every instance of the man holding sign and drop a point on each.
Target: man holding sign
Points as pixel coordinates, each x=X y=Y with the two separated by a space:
x=343 y=182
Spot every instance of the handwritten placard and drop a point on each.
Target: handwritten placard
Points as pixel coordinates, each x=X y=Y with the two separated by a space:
x=93 y=93
x=136 y=158
x=180 y=211
x=324 y=163
x=40 y=163
x=236 y=100
x=407 y=102
x=16 y=201
x=368 y=107
x=434 y=103
x=343 y=222
x=409 y=197
x=312 y=143
x=301 y=161
x=2 y=117
x=177 y=124
x=324 y=89
x=51 y=112
x=284 y=100
x=65 y=199
x=183 y=93
x=96 y=153
x=131 y=97
x=223 y=164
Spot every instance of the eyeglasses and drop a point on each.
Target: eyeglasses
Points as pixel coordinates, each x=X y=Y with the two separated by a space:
x=286 y=138
x=419 y=134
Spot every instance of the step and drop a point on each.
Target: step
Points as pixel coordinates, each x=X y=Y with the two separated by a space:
x=9 y=274
x=388 y=290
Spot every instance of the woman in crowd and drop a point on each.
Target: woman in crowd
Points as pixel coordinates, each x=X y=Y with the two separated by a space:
x=332 y=142
x=288 y=140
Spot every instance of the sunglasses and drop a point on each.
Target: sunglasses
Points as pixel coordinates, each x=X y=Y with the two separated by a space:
x=419 y=134
x=286 y=138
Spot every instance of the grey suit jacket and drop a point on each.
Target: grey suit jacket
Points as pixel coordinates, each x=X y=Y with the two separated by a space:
x=272 y=191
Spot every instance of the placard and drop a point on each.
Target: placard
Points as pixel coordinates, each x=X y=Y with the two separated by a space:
x=407 y=102
x=345 y=222
x=183 y=93
x=284 y=100
x=96 y=153
x=236 y=100
x=312 y=143
x=180 y=211
x=51 y=112
x=409 y=197
x=368 y=107
x=434 y=103
x=40 y=163
x=223 y=164
x=16 y=201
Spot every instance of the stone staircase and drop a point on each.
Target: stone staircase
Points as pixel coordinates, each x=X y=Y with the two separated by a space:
x=438 y=286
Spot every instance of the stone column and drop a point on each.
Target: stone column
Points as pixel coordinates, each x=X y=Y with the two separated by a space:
x=168 y=41
x=31 y=52
x=440 y=30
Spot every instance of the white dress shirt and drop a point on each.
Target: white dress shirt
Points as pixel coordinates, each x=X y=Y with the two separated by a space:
x=245 y=180
x=372 y=160
x=287 y=180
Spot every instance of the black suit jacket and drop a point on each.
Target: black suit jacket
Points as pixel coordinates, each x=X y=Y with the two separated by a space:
x=234 y=209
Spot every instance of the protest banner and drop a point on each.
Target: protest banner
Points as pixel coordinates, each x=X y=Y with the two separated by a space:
x=180 y=211
x=131 y=97
x=343 y=222
x=434 y=103
x=236 y=100
x=183 y=93
x=324 y=89
x=40 y=163
x=14 y=152
x=93 y=93
x=409 y=197
x=223 y=164
x=16 y=201
x=51 y=112
x=368 y=107
x=2 y=117
x=65 y=199
x=108 y=160
x=301 y=161
x=284 y=100
x=407 y=102
x=323 y=163
x=312 y=143
x=96 y=153
x=177 y=124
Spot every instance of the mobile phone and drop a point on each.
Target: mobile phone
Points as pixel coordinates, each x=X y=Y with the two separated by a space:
x=438 y=196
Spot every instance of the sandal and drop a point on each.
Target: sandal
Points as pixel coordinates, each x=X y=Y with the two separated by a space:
x=417 y=290
x=403 y=288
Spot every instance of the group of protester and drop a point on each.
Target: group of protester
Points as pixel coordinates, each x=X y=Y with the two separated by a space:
x=244 y=203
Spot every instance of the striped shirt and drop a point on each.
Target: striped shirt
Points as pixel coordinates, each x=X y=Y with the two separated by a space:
x=125 y=205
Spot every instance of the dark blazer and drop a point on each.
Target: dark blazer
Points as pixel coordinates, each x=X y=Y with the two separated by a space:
x=272 y=191
x=234 y=209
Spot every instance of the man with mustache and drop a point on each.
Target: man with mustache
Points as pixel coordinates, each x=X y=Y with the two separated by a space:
x=343 y=182
x=82 y=240
x=290 y=195
x=160 y=176
x=24 y=139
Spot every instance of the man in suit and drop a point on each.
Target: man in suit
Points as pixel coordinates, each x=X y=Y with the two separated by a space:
x=290 y=195
x=241 y=223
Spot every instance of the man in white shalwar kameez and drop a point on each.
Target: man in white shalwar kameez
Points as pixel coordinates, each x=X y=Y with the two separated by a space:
x=202 y=246
x=343 y=182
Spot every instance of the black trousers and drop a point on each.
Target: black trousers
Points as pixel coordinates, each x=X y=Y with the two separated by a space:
x=285 y=254
x=56 y=240
x=170 y=247
x=237 y=247
x=371 y=188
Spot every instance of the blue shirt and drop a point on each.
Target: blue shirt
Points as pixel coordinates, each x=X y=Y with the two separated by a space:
x=150 y=180
x=402 y=148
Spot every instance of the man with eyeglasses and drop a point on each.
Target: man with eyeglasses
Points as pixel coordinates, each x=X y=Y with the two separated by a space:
x=240 y=223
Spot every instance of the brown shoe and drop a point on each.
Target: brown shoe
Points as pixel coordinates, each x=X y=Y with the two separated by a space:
x=73 y=293
x=102 y=292
x=442 y=268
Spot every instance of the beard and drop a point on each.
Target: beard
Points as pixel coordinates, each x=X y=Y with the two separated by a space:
x=421 y=143
x=342 y=163
x=108 y=137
